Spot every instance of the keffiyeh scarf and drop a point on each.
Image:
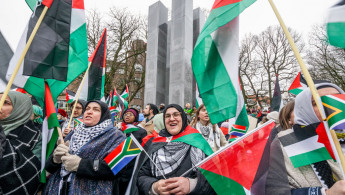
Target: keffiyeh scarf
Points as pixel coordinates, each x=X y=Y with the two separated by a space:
x=211 y=136
x=169 y=157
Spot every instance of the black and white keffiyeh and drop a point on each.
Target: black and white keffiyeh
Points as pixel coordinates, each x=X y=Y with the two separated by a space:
x=211 y=136
x=169 y=157
x=83 y=134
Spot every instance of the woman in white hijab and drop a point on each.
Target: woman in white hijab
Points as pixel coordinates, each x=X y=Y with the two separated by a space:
x=322 y=177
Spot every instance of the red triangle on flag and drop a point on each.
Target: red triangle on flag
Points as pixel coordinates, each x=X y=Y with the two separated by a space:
x=296 y=83
x=221 y=3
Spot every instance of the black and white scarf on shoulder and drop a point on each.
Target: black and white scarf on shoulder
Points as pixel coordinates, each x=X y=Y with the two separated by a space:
x=169 y=157
x=211 y=136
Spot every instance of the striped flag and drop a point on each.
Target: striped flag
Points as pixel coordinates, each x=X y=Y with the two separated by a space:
x=336 y=25
x=77 y=53
x=128 y=128
x=93 y=87
x=302 y=145
x=70 y=95
x=123 y=154
x=247 y=167
x=125 y=92
x=215 y=62
x=299 y=84
x=49 y=131
x=335 y=110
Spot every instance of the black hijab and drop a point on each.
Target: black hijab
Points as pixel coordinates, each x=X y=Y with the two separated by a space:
x=105 y=113
x=165 y=132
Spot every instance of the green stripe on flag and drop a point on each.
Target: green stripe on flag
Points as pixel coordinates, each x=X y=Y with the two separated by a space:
x=196 y=140
x=295 y=91
x=50 y=149
x=223 y=185
x=310 y=157
x=213 y=81
x=336 y=34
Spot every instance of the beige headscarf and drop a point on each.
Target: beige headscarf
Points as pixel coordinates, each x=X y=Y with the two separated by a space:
x=21 y=113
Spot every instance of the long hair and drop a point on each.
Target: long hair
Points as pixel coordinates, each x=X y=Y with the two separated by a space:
x=196 y=118
x=285 y=115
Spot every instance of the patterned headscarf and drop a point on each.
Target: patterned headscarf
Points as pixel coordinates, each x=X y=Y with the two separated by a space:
x=21 y=113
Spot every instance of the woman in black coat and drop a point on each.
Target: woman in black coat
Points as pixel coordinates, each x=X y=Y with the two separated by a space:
x=171 y=159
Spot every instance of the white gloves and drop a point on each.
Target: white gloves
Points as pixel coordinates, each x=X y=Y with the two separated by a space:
x=71 y=162
x=60 y=150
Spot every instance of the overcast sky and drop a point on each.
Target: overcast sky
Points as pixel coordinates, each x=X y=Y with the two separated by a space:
x=298 y=14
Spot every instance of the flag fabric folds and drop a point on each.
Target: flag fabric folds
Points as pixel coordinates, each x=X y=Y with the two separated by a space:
x=47 y=56
x=215 y=61
x=335 y=110
x=277 y=101
x=93 y=87
x=123 y=154
x=77 y=57
x=302 y=145
x=198 y=100
x=49 y=131
x=336 y=25
x=125 y=92
x=239 y=174
x=189 y=136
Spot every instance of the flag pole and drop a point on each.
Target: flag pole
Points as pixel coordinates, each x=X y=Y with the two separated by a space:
x=26 y=48
x=78 y=94
x=316 y=96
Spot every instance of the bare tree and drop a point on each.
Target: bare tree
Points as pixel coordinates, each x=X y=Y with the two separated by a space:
x=326 y=62
x=126 y=33
x=264 y=56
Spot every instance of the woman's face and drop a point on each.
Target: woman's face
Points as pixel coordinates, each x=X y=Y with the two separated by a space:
x=78 y=110
x=129 y=117
x=323 y=92
x=59 y=116
x=291 y=118
x=173 y=121
x=203 y=116
x=92 y=114
x=6 y=108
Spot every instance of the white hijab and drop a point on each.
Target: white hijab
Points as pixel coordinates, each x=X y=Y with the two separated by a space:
x=303 y=110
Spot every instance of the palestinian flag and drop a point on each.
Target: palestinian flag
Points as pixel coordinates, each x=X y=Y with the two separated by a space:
x=123 y=154
x=47 y=56
x=76 y=53
x=303 y=145
x=335 y=110
x=336 y=25
x=245 y=167
x=128 y=128
x=215 y=61
x=189 y=136
x=299 y=84
x=198 y=98
x=49 y=131
x=93 y=87
x=114 y=98
x=70 y=96
x=125 y=92
x=123 y=104
x=277 y=101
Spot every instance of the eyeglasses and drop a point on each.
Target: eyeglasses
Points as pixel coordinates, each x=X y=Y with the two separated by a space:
x=129 y=114
x=175 y=115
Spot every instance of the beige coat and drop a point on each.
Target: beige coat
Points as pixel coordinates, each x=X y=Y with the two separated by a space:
x=148 y=126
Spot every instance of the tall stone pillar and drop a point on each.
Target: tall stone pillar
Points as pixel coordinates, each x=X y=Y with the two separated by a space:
x=156 y=54
x=181 y=48
x=198 y=24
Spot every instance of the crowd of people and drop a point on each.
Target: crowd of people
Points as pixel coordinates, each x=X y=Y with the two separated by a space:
x=77 y=165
